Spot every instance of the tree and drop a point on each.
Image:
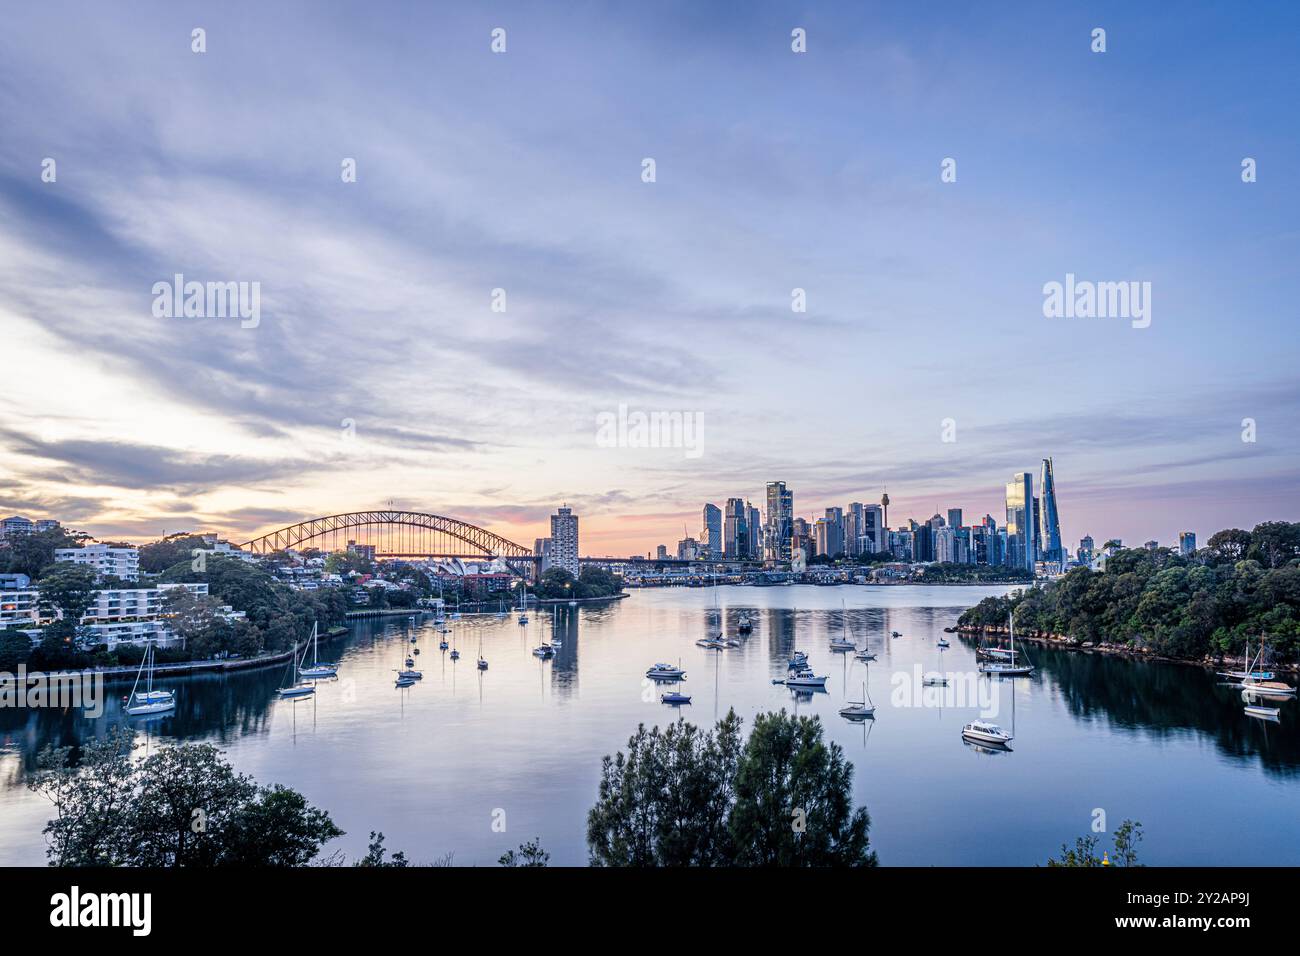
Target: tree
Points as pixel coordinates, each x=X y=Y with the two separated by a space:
x=181 y=806
x=666 y=802
x=794 y=799
x=528 y=854
x=33 y=554
x=15 y=649
x=1229 y=545
x=1084 y=852
x=66 y=591
x=375 y=854
x=1274 y=543
x=684 y=797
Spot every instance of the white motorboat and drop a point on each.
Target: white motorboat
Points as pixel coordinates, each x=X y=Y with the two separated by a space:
x=1263 y=713
x=934 y=680
x=986 y=733
x=710 y=642
x=798 y=661
x=805 y=678
x=745 y=624
x=544 y=651
x=404 y=682
x=149 y=701
x=675 y=698
x=409 y=674
x=665 y=672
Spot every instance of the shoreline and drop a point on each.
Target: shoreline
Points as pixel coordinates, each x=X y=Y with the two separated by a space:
x=1060 y=642
x=121 y=674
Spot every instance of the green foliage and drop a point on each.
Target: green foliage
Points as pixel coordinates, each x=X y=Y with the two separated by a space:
x=1242 y=586
x=15 y=649
x=33 y=554
x=947 y=572
x=181 y=806
x=559 y=584
x=528 y=854
x=686 y=797
x=1084 y=852
x=375 y=853
x=171 y=550
x=68 y=589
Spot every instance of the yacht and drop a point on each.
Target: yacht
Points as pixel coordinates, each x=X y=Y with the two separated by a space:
x=865 y=655
x=1263 y=713
x=934 y=680
x=711 y=642
x=665 y=672
x=986 y=733
x=296 y=688
x=482 y=662
x=409 y=674
x=1010 y=668
x=745 y=624
x=442 y=645
x=859 y=709
x=675 y=698
x=523 y=605
x=544 y=651
x=839 y=644
x=317 y=668
x=805 y=678
x=943 y=642
x=404 y=682
x=455 y=654
x=149 y=701
x=798 y=662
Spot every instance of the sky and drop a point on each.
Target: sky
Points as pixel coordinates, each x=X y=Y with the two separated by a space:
x=379 y=371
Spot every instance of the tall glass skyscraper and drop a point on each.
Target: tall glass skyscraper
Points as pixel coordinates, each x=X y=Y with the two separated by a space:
x=1049 y=522
x=711 y=530
x=780 y=521
x=1020 y=522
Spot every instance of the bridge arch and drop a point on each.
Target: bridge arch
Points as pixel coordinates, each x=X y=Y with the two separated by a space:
x=426 y=534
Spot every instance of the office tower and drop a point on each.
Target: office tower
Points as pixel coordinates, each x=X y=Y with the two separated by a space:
x=1086 y=549
x=964 y=552
x=945 y=544
x=564 y=540
x=1187 y=543
x=874 y=529
x=821 y=536
x=754 y=525
x=1049 y=522
x=711 y=530
x=661 y=552
x=1020 y=522
x=954 y=518
x=900 y=544
x=688 y=549
x=735 y=530
x=780 y=521
x=834 y=531
x=853 y=521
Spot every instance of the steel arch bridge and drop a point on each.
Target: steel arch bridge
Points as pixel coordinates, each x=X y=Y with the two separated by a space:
x=394 y=534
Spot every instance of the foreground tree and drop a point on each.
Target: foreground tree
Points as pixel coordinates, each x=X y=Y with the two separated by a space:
x=182 y=806
x=1084 y=852
x=529 y=854
x=686 y=797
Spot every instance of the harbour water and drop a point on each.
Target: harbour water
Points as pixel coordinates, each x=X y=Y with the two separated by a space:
x=472 y=763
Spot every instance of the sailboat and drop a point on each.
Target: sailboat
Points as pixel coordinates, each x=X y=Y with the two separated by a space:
x=1011 y=669
x=482 y=664
x=502 y=613
x=523 y=604
x=150 y=701
x=859 y=709
x=318 y=668
x=296 y=688
x=842 y=643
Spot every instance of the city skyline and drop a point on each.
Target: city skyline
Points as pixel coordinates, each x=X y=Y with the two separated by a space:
x=380 y=372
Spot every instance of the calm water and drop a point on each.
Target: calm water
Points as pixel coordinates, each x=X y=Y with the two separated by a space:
x=430 y=766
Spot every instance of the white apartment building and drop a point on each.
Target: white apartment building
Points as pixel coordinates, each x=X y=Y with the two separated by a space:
x=116 y=616
x=122 y=562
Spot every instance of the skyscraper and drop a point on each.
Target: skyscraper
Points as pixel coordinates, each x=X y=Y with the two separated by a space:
x=754 y=525
x=1049 y=523
x=564 y=540
x=954 y=518
x=1020 y=522
x=874 y=528
x=1187 y=543
x=834 y=531
x=735 y=530
x=780 y=521
x=711 y=530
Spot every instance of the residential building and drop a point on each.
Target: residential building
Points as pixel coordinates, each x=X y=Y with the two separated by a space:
x=564 y=540
x=122 y=562
x=15 y=525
